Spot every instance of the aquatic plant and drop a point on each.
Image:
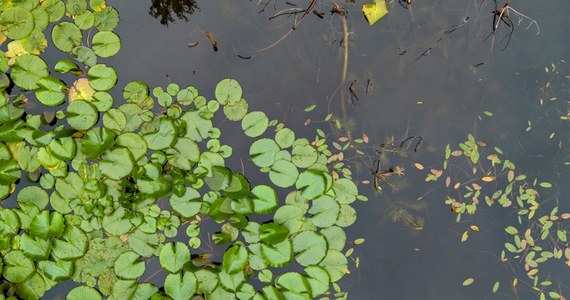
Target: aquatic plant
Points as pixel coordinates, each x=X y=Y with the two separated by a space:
x=538 y=237
x=110 y=186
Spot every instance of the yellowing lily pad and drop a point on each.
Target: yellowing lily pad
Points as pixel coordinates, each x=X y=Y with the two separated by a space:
x=374 y=11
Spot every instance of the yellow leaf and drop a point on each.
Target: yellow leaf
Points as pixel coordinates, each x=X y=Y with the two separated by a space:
x=474 y=228
x=488 y=178
x=374 y=11
x=464 y=236
x=81 y=90
x=419 y=166
x=468 y=281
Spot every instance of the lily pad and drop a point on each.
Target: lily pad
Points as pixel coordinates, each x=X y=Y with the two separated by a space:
x=164 y=137
x=265 y=199
x=235 y=259
x=116 y=163
x=173 y=256
x=254 y=123
x=310 y=248
x=278 y=255
x=50 y=91
x=106 y=43
x=283 y=173
x=81 y=115
x=228 y=92
x=263 y=151
x=84 y=292
x=102 y=78
x=66 y=36
x=17 y=267
x=128 y=266
x=28 y=70
x=16 y=23
x=181 y=285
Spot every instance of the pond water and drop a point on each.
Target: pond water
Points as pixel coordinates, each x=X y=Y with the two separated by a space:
x=441 y=95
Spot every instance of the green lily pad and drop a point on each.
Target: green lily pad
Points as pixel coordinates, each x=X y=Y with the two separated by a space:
x=28 y=70
x=318 y=279
x=54 y=8
x=237 y=111
x=324 y=211
x=336 y=264
x=58 y=270
x=254 y=123
x=285 y=138
x=197 y=127
x=181 y=285
x=66 y=36
x=347 y=216
x=106 y=44
x=164 y=137
x=102 y=78
x=17 y=267
x=128 y=266
x=345 y=191
x=116 y=223
x=173 y=256
x=116 y=163
x=231 y=282
x=142 y=243
x=207 y=281
x=283 y=173
x=33 y=195
x=295 y=283
x=235 y=259
x=76 y=7
x=263 y=151
x=310 y=248
x=84 y=20
x=311 y=183
x=35 y=248
x=304 y=155
x=9 y=172
x=50 y=91
x=336 y=237
x=135 y=91
x=106 y=19
x=84 y=55
x=134 y=143
x=97 y=141
x=278 y=255
x=81 y=115
x=265 y=199
x=228 y=92
x=72 y=244
x=47 y=225
x=188 y=204
x=272 y=233
x=83 y=293
x=115 y=120
x=16 y=23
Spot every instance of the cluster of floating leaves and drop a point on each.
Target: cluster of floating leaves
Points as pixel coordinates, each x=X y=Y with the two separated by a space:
x=540 y=234
x=108 y=187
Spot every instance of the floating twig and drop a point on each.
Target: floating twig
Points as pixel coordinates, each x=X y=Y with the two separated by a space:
x=212 y=41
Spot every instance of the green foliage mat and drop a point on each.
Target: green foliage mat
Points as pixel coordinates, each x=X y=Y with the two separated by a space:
x=99 y=188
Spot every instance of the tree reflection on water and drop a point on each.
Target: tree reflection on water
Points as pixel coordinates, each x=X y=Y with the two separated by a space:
x=164 y=10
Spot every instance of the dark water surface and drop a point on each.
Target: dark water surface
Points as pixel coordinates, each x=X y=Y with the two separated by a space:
x=441 y=97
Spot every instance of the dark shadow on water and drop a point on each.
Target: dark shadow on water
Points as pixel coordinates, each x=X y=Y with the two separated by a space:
x=167 y=11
